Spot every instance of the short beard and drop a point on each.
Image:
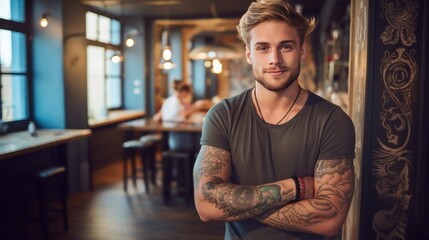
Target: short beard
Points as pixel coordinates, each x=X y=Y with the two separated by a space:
x=284 y=86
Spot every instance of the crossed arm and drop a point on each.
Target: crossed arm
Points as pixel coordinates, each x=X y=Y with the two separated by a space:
x=218 y=200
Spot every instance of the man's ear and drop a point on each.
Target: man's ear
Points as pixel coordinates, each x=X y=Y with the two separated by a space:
x=248 y=59
x=303 y=51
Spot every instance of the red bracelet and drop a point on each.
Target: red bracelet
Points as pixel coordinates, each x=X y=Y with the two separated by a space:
x=302 y=188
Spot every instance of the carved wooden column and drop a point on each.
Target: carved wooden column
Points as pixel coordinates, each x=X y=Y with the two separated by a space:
x=394 y=162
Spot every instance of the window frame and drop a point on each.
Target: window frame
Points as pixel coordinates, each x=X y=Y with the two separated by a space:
x=24 y=28
x=114 y=47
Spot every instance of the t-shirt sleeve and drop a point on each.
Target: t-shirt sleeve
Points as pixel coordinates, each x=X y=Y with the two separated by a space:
x=338 y=138
x=215 y=127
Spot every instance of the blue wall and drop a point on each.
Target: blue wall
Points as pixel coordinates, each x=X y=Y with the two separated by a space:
x=134 y=74
x=48 y=83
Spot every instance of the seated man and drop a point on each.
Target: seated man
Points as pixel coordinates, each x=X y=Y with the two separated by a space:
x=178 y=107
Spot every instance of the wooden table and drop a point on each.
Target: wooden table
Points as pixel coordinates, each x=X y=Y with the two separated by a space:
x=148 y=125
x=20 y=143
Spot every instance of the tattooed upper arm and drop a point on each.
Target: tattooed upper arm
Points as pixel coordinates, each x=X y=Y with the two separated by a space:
x=212 y=162
x=334 y=177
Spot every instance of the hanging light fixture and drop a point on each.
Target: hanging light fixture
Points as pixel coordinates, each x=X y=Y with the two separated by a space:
x=129 y=40
x=212 y=53
x=117 y=57
x=166 y=63
x=217 y=66
x=44 y=20
x=166 y=49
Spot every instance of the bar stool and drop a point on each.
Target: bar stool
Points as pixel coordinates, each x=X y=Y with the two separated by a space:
x=183 y=159
x=145 y=148
x=157 y=139
x=46 y=181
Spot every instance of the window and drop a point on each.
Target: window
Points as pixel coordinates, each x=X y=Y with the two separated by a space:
x=105 y=36
x=13 y=62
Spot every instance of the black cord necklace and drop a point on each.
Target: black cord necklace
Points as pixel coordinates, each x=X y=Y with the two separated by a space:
x=259 y=109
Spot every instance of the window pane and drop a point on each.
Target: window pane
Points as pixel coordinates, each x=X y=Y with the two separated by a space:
x=104 y=28
x=12 y=52
x=114 y=88
x=14 y=97
x=12 y=10
x=113 y=92
x=112 y=69
x=116 y=32
x=91 y=25
x=96 y=84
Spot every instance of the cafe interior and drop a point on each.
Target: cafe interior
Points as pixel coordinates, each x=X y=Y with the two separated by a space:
x=81 y=82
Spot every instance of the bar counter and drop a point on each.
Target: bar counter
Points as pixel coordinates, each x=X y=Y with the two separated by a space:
x=20 y=143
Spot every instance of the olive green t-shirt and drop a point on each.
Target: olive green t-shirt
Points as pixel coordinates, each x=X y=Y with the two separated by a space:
x=263 y=153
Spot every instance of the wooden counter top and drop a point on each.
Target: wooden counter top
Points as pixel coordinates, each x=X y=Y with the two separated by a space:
x=148 y=125
x=116 y=117
x=19 y=143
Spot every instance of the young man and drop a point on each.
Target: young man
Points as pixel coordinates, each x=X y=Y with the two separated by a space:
x=254 y=144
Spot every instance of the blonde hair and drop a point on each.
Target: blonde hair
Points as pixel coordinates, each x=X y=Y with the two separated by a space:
x=266 y=10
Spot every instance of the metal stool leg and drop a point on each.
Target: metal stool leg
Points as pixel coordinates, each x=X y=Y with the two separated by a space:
x=166 y=179
x=133 y=167
x=64 y=211
x=43 y=210
x=125 y=169
x=145 y=166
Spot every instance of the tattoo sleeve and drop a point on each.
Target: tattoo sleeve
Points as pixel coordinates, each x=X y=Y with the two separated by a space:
x=230 y=201
x=325 y=213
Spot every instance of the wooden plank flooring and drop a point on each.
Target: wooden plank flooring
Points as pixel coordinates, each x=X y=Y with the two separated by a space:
x=108 y=213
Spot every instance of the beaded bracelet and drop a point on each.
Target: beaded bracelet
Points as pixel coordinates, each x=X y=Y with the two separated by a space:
x=297 y=188
x=302 y=189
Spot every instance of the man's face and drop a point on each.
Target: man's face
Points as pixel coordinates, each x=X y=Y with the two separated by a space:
x=275 y=53
x=184 y=96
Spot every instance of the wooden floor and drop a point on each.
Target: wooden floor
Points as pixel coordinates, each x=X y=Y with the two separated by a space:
x=107 y=212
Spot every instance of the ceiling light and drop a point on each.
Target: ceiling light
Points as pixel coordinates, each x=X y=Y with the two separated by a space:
x=117 y=57
x=129 y=41
x=44 y=20
x=217 y=66
x=167 y=65
x=214 y=51
x=166 y=53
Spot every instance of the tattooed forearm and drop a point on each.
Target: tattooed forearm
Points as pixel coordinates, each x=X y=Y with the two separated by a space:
x=292 y=218
x=241 y=202
x=334 y=185
x=218 y=199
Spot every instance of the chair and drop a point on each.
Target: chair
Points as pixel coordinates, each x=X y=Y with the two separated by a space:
x=184 y=160
x=180 y=151
x=46 y=181
x=157 y=139
x=146 y=148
